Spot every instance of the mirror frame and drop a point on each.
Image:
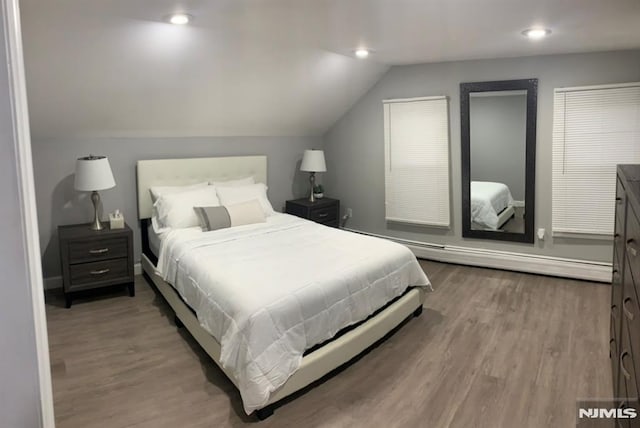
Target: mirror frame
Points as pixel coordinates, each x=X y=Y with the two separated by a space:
x=531 y=86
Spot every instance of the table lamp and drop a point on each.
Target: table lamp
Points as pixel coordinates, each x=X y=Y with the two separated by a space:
x=312 y=162
x=93 y=173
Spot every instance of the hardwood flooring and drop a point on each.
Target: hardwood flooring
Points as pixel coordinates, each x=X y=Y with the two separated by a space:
x=491 y=349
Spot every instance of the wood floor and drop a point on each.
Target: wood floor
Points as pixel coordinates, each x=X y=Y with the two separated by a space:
x=491 y=349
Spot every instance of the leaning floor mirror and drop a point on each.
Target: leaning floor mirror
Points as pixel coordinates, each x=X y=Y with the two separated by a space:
x=498 y=121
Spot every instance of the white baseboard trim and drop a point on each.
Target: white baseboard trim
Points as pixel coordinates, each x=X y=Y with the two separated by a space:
x=53 y=282
x=520 y=262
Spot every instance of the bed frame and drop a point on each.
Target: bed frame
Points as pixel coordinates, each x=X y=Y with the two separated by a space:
x=315 y=365
x=505 y=215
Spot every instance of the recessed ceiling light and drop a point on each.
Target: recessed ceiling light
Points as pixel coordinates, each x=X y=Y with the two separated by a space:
x=536 y=33
x=362 y=53
x=180 y=18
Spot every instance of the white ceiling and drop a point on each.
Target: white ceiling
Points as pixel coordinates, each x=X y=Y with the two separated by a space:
x=269 y=67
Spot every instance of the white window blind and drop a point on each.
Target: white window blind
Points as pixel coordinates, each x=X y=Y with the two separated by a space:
x=417 y=160
x=594 y=129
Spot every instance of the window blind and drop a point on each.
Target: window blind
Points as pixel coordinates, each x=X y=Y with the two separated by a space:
x=594 y=129
x=417 y=160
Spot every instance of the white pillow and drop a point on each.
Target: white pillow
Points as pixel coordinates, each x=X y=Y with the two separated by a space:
x=238 y=194
x=231 y=183
x=175 y=210
x=157 y=191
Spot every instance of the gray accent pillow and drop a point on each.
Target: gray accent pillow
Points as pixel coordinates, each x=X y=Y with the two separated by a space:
x=221 y=217
x=213 y=218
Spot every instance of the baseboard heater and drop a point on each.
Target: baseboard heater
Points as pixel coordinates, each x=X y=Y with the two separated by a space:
x=519 y=262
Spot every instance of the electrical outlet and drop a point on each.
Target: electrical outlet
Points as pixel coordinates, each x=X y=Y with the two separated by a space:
x=349 y=212
x=541 y=233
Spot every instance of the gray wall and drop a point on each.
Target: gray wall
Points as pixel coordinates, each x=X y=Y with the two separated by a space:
x=354 y=145
x=58 y=203
x=19 y=387
x=498 y=140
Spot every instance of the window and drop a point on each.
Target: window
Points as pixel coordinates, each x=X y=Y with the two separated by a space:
x=594 y=129
x=417 y=160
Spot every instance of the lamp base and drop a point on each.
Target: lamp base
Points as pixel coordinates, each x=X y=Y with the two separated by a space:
x=95 y=198
x=312 y=180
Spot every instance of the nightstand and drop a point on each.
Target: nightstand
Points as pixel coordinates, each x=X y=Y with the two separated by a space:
x=325 y=211
x=95 y=258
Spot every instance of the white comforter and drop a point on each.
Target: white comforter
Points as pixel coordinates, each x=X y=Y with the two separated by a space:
x=268 y=292
x=488 y=199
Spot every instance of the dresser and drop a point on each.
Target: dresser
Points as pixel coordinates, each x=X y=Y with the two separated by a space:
x=625 y=291
x=94 y=259
x=325 y=211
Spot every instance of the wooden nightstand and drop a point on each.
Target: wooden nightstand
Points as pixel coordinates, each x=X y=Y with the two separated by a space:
x=325 y=211
x=94 y=259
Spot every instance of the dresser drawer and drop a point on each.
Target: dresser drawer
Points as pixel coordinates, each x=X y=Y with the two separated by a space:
x=621 y=204
x=630 y=315
x=627 y=365
x=91 y=275
x=613 y=353
x=322 y=215
x=81 y=251
x=633 y=244
x=619 y=241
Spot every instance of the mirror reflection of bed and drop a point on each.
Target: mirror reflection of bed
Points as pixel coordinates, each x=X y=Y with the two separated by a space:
x=497 y=141
x=492 y=208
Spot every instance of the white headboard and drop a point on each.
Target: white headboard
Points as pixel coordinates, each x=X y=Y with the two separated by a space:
x=178 y=172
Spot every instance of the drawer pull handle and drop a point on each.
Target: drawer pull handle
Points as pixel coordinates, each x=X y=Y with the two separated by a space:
x=611 y=347
x=99 y=272
x=627 y=312
x=618 y=198
x=323 y=215
x=626 y=374
x=99 y=251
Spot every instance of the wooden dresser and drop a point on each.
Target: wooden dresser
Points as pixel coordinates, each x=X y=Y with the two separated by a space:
x=625 y=291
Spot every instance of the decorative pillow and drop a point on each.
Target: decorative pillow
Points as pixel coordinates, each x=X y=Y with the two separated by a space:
x=175 y=210
x=157 y=191
x=231 y=183
x=221 y=217
x=235 y=195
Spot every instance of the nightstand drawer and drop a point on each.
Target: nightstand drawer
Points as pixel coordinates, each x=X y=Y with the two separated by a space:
x=89 y=274
x=324 y=211
x=323 y=215
x=103 y=249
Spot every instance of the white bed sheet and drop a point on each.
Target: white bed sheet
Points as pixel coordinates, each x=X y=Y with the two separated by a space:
x=269 y=291
x=488 y=199
x=154 y=239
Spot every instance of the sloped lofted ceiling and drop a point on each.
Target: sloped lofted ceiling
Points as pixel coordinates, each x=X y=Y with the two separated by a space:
x=268 y=67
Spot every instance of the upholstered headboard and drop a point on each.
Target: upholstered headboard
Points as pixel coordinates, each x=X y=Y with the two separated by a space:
x=177 y=172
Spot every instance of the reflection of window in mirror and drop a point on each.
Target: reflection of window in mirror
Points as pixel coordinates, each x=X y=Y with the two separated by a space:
x=498 y=125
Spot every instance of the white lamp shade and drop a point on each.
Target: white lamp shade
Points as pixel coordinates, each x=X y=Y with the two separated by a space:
x=93 y=173
x=313 y=161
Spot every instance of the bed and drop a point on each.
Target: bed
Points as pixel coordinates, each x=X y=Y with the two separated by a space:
x=277 y=305
x=491 y=205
